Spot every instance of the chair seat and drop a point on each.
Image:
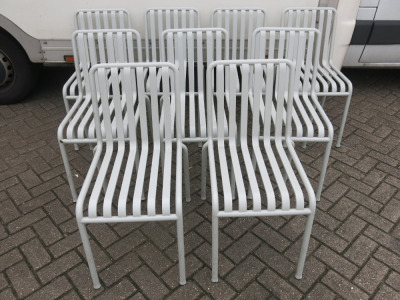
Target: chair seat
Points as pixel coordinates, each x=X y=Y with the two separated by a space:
x=136 y=182
x=263 y=178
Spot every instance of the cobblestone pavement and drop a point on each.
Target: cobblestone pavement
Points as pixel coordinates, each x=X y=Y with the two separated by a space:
x=354 y=251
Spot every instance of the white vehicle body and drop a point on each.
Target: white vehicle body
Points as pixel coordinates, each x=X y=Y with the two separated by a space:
x=43 y=29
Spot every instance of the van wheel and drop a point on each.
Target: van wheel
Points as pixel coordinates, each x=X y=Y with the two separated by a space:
x=18 y=75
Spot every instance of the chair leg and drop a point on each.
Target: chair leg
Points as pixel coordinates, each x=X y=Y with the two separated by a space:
x=89 y=255
x=323 y=101
x=186 y=172
x=181 y=251
x=204 y=170
x=323 y=170
x=214 y=251
x=304 y=246
x=344 y=117
x=68 y=171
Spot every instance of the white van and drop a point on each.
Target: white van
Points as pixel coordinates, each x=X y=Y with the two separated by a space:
x=39 y=32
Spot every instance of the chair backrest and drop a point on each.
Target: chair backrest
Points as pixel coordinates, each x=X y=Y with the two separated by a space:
x=91 y=47
x=240 y=24
x=102 y=19
x=262 y=81
x=321 y=18
x=192 y=50
x=300 y=45
x=159 y=19
x=120 y=92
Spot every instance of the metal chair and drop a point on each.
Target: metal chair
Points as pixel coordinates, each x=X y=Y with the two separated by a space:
x=240 y=24
x=159 y=19
x=280 y=187
x=91 y=19
x=300 y=45
x=131 y=157
x=192 y=51
x=91 y=47
x=330 y=80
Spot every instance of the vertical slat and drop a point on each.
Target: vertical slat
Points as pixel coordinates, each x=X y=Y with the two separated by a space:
x=154 y=172
x=137 y=195
x=166 y=187
x=220 y=98
x=128 y=79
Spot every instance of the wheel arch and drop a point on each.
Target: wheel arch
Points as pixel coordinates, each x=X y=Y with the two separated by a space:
x=30 y=45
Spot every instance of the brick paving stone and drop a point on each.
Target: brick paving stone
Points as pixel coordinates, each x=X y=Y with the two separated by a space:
x=126 y=244
x=29 y=179
x=57 y=211
x=3 y=282
x=171 y=277
x=394 y=280
x=383 y=238
x=120 y=268
x=360 y=250
x=7 y=295
x=215 y=290
x=275 y=260
x=313 y=269
x=321 y=292
x=35 y=254
x=37 y=202
x=326 y=220
x=204 y=254
x=336 y=262
x=158 y=235
x=146 y=281
x=188 y=291
x=329 y=238
x=270 y=236
x=278 y=286
x=294 y=228
x=72 y=295
x=82 y=282
x=10 y=258
x=392 y=210
x=244 y=273
x=371 y=275
x=385 y=292
x=19 y=194
x=343 y=287
x=384 y=193
x=15 y=240
x=47 y=231
x=66 y=244
x=389 y=258
x=374 y=177
x=58 y=267
x=22 y=279
x=242 y=247
x=373 y=219
x=53 y=290
x=204 y=229
x=154 y=258
x=254 y=291
x=103 y=234
x=122 y=290
x=343 y=208
x=25 y=221
x=239 y=226
x=351 y=228
x=8 y=211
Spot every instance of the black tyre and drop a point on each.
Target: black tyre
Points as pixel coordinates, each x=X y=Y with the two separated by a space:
x=18 y=75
